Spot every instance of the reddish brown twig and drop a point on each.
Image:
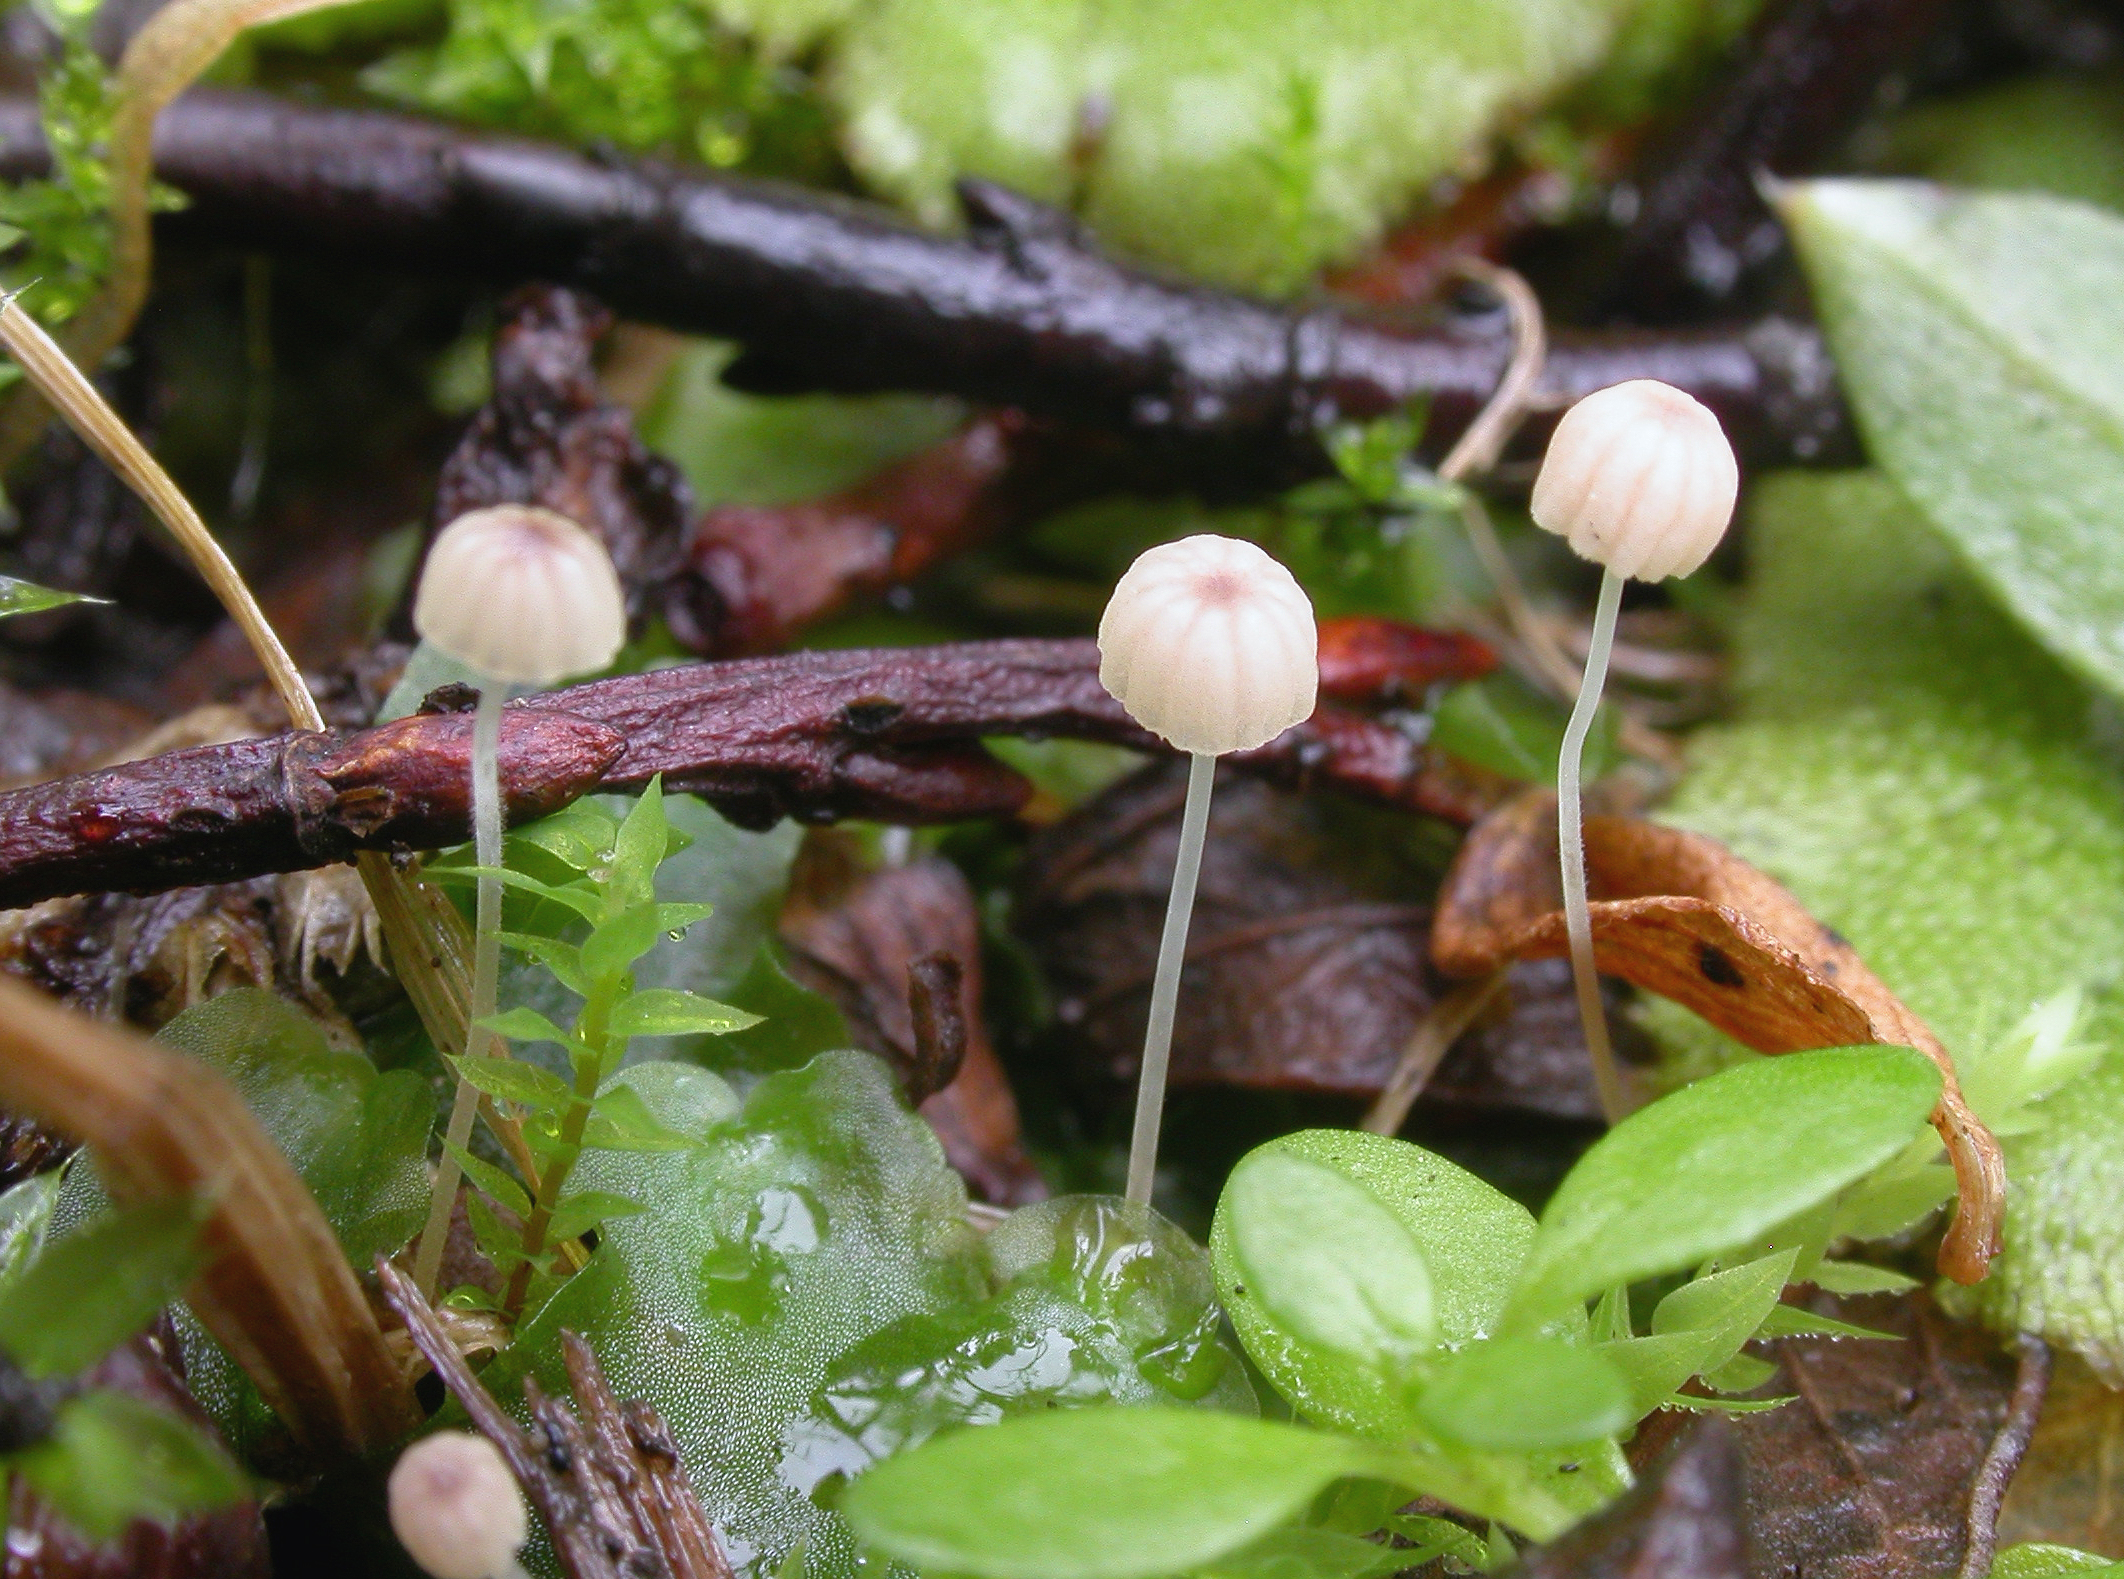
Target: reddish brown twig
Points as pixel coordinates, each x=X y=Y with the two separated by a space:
x=891 y=734
x=606 y=1476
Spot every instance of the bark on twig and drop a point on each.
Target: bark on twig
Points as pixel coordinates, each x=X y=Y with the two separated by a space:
x=891 y=734
x=276 y=1290
x=2031 y=1385
x=606 y=1477
x=829 y=296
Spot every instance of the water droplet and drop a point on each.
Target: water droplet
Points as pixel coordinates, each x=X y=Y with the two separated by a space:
x=676 y=934
x=1187 y=1364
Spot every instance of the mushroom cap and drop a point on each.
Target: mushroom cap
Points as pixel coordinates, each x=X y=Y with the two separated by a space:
x=1639 y=477
x=523 y=595
x=455 y=1507
x=1210 y=644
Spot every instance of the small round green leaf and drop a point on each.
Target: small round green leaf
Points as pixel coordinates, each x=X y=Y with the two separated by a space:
x=1325 y=1259
x=1524 y=1394
x=1094 y=1493
x=1717 y=1164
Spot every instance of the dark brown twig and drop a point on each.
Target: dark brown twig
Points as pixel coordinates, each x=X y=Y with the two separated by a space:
x=891 y=734
x=606 y=1478
x=1023 y=312
x=2031 y=1385
x=939 y=1019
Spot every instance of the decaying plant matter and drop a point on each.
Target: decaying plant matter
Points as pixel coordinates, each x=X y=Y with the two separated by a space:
x=1680 y=915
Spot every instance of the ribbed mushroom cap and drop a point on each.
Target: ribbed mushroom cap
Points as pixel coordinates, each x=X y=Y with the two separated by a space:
x=1210 y=644
x=521 y=594
x=1639 y=477
x=455 y=1507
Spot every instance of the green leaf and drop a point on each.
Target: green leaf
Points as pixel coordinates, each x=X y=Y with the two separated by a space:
x=498 y=1185
x=1855 y=1277
x=578 y=897
x=664 y=1011
x=512 y=1079
x=519 y=1025
x=2041 y=1560
x=621 y=1121
x=1718 y=1164
x=577 y=1214
x=1095 y=1493
x=26 y=597
x=90 y=1291
x=114 y=1458
x=580 y=835
x=644 y=839
x=1520 y=1394
x=1324 y=1259
x=564 y=960
x=1978 y=337
x=1699 y=1327
x=1791 y=1321
x=1742 y=1373
x=358 y=1138
x=619 y=940
x=26 y=1218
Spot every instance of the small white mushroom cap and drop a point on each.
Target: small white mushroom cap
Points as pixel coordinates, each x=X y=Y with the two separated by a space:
x=1210 y=644
x=455 y=1507
x=523 y=595
x=1639 y=477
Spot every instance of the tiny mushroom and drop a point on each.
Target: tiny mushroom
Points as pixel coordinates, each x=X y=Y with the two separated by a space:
x=522 y=597
x=1211 y=645
x=456 y=1508
x=1640 y=479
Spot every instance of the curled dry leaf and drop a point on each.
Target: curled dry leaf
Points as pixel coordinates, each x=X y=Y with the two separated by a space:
x=1681 y=915
x=872 y=941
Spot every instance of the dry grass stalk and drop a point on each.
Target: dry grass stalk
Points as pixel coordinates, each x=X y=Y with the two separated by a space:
x=276 y=1289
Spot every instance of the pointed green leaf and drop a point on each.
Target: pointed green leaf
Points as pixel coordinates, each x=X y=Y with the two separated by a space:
x=114 y=1458
x=665 y=1011
x=1716 y=1165
x=564 y=960
x=1855 y=1277
x=1793 y=1321
x=511 y=1079
x=26 y=597
x=579 y=898
x=498 y=1185
x=579 y=835
x=577 y=1214
x=521 y=1025
x=643 y=840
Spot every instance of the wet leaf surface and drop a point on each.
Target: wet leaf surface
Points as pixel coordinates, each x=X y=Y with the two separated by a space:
x=1307 y=966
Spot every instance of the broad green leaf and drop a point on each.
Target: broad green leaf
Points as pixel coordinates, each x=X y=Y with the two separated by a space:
x=1742 y=1373
x=1978 y=336
x=1715 y=1165
x=114 y=1458
x=1325 y=1260
x=1095 y=1493
x=665 y=1011
x=512 y=1079
x=2042 y=1560
x=358 y=1138
x=577 y=1214
x=1932 y=784
x=1246 y=140
x=1522 y=1394
x=803 y=1294
x=26 y=597
x=1305 y=1552
x=580 y=835
x=87 y=1293
x=2058 y=134
x=497 y=1184
x=1699 y=1327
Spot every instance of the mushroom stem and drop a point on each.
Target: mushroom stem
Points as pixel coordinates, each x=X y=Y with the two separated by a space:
x=1165 y=986
x=1571 y=846
x=486 y=974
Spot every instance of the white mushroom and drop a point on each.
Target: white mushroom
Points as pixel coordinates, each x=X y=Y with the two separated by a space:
x=523 y=597
x=1640 y=479
x=1211 y=645
x=456 y=1509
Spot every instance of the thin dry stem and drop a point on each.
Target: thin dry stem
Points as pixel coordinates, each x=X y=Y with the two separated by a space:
x=1485 y=438
x=276 y=1290
x=1434 y=1034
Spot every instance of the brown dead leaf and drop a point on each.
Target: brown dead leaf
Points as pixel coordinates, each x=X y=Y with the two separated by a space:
x=855 y=935
x=1681 y=915
x=1683 y=1520
x=1868 y=1473
x=1306 y=966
